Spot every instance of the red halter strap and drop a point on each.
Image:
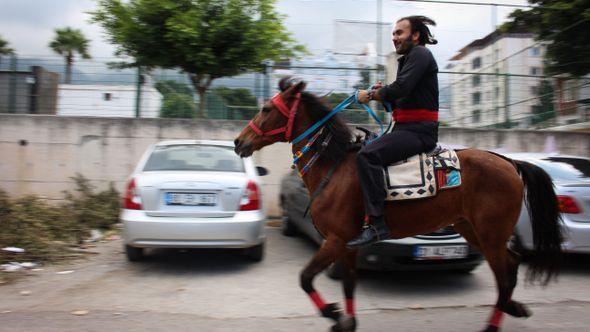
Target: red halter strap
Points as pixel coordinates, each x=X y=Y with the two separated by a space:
x=277 y=100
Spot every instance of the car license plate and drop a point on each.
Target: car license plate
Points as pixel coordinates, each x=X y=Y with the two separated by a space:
x=192 y=199
x=440 y=252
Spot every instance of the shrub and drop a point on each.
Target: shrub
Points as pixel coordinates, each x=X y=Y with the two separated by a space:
x=46 y=230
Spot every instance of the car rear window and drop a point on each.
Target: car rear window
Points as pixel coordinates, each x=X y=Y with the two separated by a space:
x=567 y=169
x=194 y=157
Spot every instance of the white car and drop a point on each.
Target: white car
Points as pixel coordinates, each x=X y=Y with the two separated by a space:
x=571 y=177
x=194 y=194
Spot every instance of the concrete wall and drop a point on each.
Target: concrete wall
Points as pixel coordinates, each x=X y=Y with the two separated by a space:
x=39 y=154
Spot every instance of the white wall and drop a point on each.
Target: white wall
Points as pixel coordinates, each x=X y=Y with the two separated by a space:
x=91 y=100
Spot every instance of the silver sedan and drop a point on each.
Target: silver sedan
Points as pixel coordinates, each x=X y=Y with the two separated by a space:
x=571 y=177
x=193 y=194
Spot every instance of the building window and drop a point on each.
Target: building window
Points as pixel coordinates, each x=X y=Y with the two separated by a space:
x=475 y=80
x=107 y=96
x=535 y=90
x=476 y=98
x=535 y=51
x=476 y=116
x=476 y=63
x=535 y=71
x=497 y=92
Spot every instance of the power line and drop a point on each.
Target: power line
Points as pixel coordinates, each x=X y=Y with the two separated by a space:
x=469 y=3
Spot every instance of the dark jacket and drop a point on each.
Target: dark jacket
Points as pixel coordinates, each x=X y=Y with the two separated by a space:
x=416 y=85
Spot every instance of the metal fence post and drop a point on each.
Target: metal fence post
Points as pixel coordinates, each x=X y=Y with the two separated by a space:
x=266 y=82
x=138 y=85
x=12 y=85
x=507 y=100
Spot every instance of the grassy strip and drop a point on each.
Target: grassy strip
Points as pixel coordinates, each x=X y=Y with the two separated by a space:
x=47 y=231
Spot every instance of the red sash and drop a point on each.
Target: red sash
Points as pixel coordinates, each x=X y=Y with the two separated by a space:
x=414 y=115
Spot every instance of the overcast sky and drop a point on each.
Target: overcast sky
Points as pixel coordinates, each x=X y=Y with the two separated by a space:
x=28 y=24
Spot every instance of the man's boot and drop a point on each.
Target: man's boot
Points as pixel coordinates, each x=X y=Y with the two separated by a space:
x=375 y=231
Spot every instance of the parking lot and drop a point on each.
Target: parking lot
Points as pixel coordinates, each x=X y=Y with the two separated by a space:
x=222 y=291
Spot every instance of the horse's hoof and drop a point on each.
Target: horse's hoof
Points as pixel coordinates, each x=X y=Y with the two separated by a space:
x=345 y=324
x=491 y=328
x=332 y=311
x=517 y=309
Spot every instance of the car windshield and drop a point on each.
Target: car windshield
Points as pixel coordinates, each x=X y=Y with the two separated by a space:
x=566 y=169
x=194 y=157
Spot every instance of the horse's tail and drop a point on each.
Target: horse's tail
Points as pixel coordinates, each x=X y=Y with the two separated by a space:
x=543 y=209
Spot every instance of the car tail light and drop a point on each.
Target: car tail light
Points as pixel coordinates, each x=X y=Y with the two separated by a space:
x=132 y=201
x=568 y=205
x=251 y=199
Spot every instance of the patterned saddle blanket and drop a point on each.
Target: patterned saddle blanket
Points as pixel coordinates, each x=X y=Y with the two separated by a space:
x=423 y=175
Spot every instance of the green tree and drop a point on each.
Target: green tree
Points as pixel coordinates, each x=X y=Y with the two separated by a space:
x=178 y=100
x=207 y=39
x=178 y=105
x=67 y=43
x=4 y=49
x=235 y=97
x=166 y=87
x=545 y=109
x=564 y=25
x=365 y=81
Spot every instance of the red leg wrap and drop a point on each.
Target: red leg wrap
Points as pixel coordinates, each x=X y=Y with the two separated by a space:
x=350 y=307
x=317 y=300
x=496 y=318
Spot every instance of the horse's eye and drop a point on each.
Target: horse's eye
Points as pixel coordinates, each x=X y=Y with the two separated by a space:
x=266 y=109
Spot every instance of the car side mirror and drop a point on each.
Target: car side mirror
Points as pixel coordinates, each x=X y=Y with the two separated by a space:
x=261 y=171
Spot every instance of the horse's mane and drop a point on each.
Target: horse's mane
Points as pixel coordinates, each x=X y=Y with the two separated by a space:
x=341 y=133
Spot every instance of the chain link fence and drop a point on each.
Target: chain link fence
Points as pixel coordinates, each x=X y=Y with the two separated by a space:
x=35 y=85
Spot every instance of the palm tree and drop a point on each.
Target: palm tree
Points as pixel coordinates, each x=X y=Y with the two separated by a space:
x=67 y=42
x=4 y=49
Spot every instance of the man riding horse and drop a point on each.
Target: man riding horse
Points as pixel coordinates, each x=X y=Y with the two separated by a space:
x=414 y=97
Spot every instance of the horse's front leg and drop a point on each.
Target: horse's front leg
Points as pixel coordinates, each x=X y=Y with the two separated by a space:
x=332 y=249
x=349 y=277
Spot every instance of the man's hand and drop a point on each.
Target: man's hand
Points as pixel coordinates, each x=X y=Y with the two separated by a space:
x=363 y=96
x=377 y=86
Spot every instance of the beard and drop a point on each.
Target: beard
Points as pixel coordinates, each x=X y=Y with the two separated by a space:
x=404 y=47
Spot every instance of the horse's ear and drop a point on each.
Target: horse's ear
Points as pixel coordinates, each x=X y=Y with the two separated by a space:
x=299 y=87
x=285 y=83
x=289 y=82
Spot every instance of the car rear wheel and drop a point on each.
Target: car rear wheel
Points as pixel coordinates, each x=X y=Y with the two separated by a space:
x=256 y=253
x=287 y=226
x=134 y=254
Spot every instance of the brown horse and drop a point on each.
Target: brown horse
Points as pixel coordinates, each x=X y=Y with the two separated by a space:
x=484 y=209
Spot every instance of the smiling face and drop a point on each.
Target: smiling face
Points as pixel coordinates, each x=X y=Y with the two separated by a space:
x=403 y=38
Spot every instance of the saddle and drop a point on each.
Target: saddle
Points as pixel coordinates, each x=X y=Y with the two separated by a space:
x=423 y=175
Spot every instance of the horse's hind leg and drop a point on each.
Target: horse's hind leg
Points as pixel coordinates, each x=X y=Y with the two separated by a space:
x=330 y=250
x=504 y=264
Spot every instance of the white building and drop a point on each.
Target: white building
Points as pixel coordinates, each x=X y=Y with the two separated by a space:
x=107 y=101
x=479 y=96
x=323 y=75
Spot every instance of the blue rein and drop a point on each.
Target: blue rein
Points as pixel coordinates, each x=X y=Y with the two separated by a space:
x=345 y=103
x=351 y=99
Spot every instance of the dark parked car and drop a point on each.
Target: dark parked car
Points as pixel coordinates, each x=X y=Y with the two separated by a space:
x=441 y=250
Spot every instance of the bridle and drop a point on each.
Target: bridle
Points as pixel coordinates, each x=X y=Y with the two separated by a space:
x=289 y=113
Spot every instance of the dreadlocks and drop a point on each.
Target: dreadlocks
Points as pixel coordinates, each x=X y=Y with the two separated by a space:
x=419 y=24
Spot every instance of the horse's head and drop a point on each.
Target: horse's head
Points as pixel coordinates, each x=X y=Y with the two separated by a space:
x=274 y=122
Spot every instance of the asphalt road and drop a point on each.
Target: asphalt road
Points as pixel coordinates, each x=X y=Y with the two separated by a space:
x=221 y=291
